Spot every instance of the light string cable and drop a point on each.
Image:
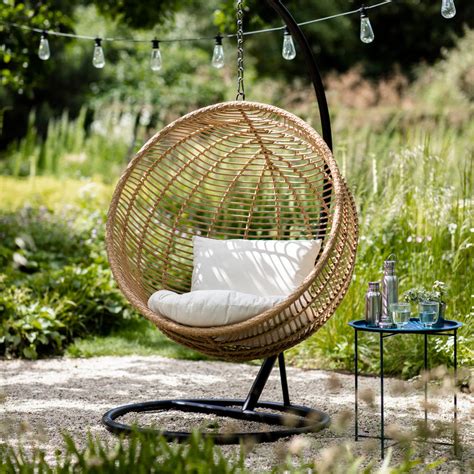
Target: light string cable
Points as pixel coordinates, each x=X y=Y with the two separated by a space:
x=176 y=40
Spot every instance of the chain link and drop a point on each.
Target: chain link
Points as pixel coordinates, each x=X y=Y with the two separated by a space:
x=240 y=52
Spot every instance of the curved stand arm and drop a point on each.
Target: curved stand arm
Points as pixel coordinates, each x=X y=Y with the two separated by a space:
x=313 y=70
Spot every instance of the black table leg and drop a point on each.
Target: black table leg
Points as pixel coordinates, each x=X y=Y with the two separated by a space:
x=449 y=329
x=382 y=427
x=356 y=383
x=426 y=381
x=456 y=438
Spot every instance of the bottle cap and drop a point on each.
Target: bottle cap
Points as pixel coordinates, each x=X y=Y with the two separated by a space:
x=374 y=285
x=389 y=265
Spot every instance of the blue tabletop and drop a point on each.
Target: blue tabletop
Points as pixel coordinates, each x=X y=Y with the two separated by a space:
x=413 y=326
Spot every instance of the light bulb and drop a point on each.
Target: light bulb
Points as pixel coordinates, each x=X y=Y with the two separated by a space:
x=366 y=31
x=218 y=53
x=448 y=9
x=43 y=50
x=288 y=51
x=98 y=59
x=155 y=59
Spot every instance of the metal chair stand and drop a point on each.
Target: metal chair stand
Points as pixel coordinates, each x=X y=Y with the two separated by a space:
x=294 y=419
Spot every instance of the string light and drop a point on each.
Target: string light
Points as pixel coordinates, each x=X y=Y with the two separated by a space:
x=448 y=9
x=366 y=31
x=176 y=40
x=288 y=50
x=218 y=53
x=155 y=59
x=43 y=51
x=98 y=58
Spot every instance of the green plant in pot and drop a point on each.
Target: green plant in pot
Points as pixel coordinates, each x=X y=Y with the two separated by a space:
x=437 y=293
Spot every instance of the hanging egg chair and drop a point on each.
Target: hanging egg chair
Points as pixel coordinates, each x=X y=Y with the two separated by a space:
x=234 y=170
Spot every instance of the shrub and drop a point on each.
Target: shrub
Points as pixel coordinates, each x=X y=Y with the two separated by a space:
x=56 y=284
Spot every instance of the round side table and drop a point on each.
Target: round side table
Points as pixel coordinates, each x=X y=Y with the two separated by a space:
x=449 y=328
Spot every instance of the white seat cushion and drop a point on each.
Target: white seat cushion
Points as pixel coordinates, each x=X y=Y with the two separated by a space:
x=259 y=267
x=208 y=308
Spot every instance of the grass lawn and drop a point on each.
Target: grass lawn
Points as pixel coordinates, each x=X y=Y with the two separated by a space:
x=135 y=336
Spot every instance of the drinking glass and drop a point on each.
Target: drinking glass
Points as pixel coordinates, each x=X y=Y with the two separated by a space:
x=429 y=311
x=400 y=313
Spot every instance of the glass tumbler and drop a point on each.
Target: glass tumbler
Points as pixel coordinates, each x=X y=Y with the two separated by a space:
x=400 y=314
x=429 y=311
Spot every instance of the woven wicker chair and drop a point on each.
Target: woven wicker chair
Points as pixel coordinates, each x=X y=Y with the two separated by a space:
x=233 y=170
x=236 y=170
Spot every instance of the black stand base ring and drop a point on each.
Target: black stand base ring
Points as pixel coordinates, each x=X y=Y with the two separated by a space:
x=295 y=419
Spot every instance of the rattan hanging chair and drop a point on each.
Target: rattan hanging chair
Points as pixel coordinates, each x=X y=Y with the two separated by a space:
x=233 y=170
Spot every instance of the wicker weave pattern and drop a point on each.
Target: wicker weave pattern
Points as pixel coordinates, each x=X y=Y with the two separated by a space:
x=233 y=170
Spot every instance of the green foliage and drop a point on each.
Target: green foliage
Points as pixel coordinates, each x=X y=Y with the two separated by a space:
x=16 y=62
x=410 y=164
x=418 y=294
x=411 y=172
x=449 y=84
x=68 y=151
x=140 y=454
x=414 y=194
x=138 y=14
x=55 y=284
x=47 y=192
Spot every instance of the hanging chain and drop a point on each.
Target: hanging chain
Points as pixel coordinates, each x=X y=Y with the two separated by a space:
x=240 y=52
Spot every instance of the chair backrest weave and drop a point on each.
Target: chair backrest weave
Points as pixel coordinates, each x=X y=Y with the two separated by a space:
x=231 y=170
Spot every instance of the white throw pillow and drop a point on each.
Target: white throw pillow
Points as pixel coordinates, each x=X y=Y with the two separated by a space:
x=210 y=308
x=259 y=267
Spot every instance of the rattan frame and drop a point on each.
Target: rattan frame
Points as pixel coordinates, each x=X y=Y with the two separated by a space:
x=162 y=198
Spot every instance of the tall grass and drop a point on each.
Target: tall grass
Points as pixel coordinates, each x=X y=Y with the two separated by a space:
x=68 y=150
x=414 y=192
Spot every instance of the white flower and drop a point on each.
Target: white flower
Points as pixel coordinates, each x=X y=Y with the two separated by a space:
x=410 y=239
x=452 y=228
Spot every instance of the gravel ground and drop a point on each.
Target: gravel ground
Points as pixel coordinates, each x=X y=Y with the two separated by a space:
x=48 y=397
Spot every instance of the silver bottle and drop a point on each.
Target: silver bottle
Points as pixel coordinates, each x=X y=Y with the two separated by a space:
x=373 y=304
x=389 y=291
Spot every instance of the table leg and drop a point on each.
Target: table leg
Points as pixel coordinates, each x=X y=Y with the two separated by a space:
x=426 y=380
x=356 y=383
x=382 y=427
x=456 y=439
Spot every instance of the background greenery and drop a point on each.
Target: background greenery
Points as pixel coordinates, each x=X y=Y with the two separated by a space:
x=403 y=133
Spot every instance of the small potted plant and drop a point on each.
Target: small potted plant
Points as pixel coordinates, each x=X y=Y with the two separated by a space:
x=437 y=293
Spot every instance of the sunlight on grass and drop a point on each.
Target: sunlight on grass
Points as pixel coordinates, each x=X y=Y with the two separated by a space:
x=136 y=337
x=53 y=193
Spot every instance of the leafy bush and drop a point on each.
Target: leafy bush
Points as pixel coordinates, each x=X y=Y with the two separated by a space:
x=56 y=284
